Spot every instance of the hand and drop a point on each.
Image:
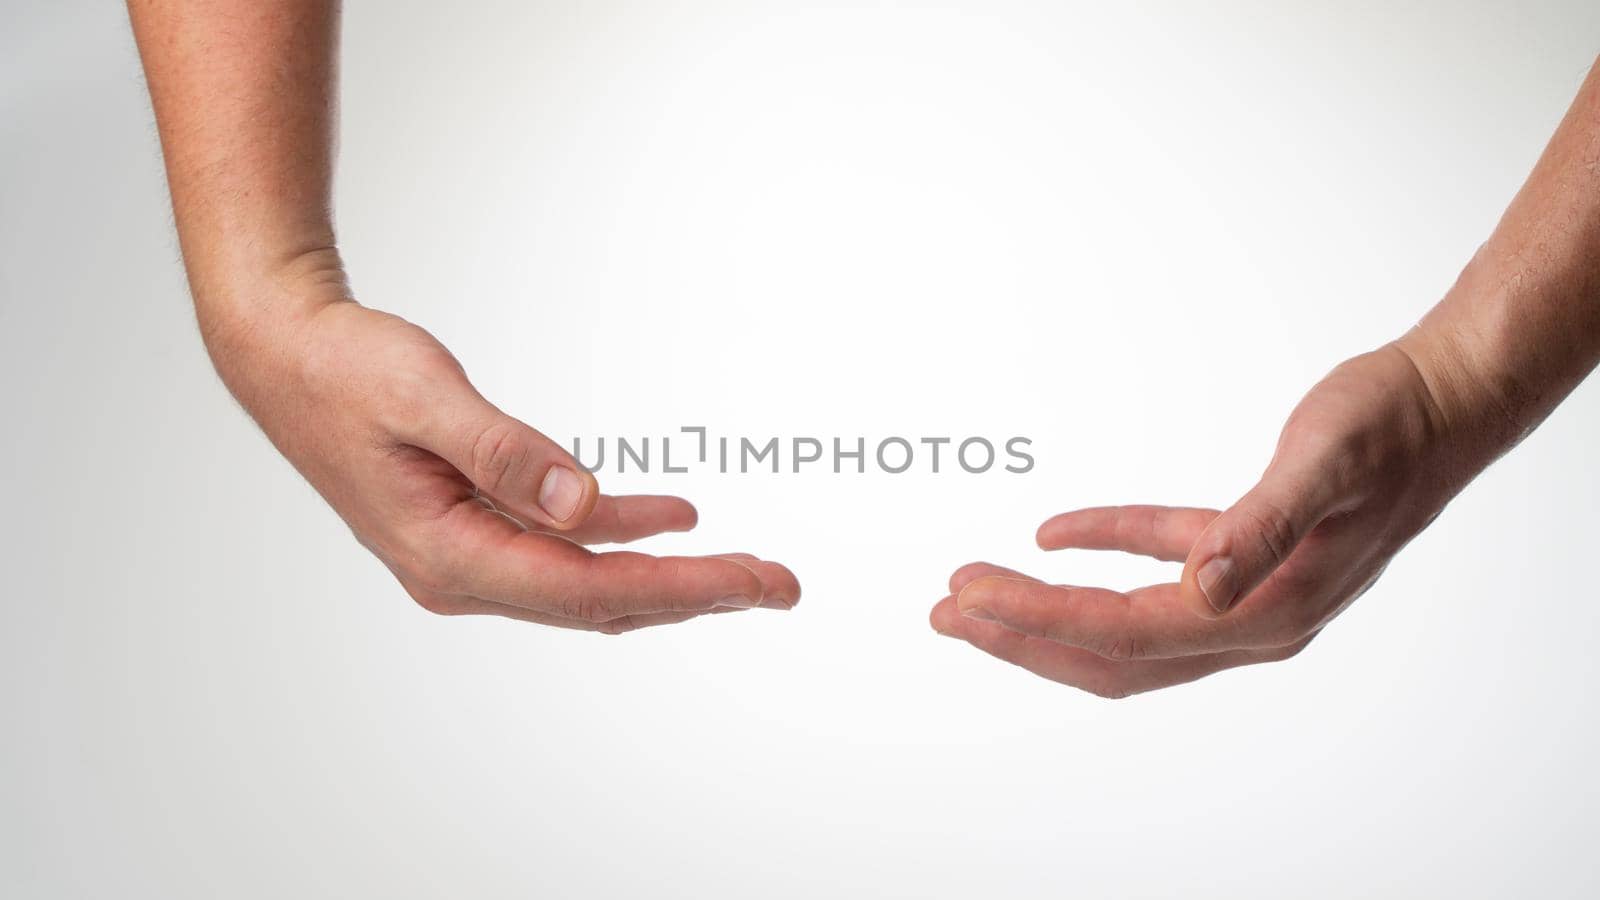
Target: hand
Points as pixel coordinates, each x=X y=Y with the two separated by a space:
x=473 y=511
x=1365 y=462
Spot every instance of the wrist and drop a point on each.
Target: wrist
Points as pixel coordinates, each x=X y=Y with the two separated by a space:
x=1486 y=389
x=251 y=315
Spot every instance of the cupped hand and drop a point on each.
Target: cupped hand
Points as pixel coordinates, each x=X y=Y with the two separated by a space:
x=472 y=510
x=1365 y=462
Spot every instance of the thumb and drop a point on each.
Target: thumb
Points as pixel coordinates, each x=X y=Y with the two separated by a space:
x=522 y=471
x=1244 y=545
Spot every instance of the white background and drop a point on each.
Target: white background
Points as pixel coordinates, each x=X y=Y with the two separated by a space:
x=1133 y=232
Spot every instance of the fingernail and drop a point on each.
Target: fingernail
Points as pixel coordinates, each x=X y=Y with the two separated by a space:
x=560 y=492
x=1215 y=584
x=979 y=613
x=739 y=602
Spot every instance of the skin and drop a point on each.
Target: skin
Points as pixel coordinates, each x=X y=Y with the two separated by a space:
x=474 y=511
x=1368 y=459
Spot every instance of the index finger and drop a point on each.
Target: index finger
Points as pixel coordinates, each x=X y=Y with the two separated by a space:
x=619 y=520
x=1164 y=532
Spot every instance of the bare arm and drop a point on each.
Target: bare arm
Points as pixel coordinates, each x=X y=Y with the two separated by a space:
x=473 y=511
x=1521 y=328
x=1366 y=461
x=245 y=99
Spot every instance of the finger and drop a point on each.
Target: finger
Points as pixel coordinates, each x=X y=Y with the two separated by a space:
x=1164 y=532
x=1088 y=671
x=477 y=553
x=1247 y=542
x=973 y=571
x=449 y=605
x=526 y=474
x=622 y=625
x=618 y=520
x=1142 y=624
x=780 y=589
x=653 y=620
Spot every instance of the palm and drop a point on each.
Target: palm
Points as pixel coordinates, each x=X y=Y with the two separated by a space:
x=445 y=490
x=1349 y=486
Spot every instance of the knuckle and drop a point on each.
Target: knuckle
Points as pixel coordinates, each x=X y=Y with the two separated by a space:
x=1273 y=529
x=499 y=455
x=1347 y=454
x=1308 y=435
x=1121 y=648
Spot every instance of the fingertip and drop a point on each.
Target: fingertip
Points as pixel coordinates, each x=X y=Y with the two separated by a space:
x=975 y=594
x=690 y=515
x=968 y=573
x=782 y=588
x=994 y=598
x=973 y=571
x=568 y=496
x=944 y=618
x=1210 y=585
x=591 y=494
x=1053 y=533
x=750 y=585
x=676 y=514
x=679 y=514
x=1044 y=536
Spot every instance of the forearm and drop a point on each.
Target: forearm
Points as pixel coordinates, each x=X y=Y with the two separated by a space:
x=245 y=100
x=1521 y=327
